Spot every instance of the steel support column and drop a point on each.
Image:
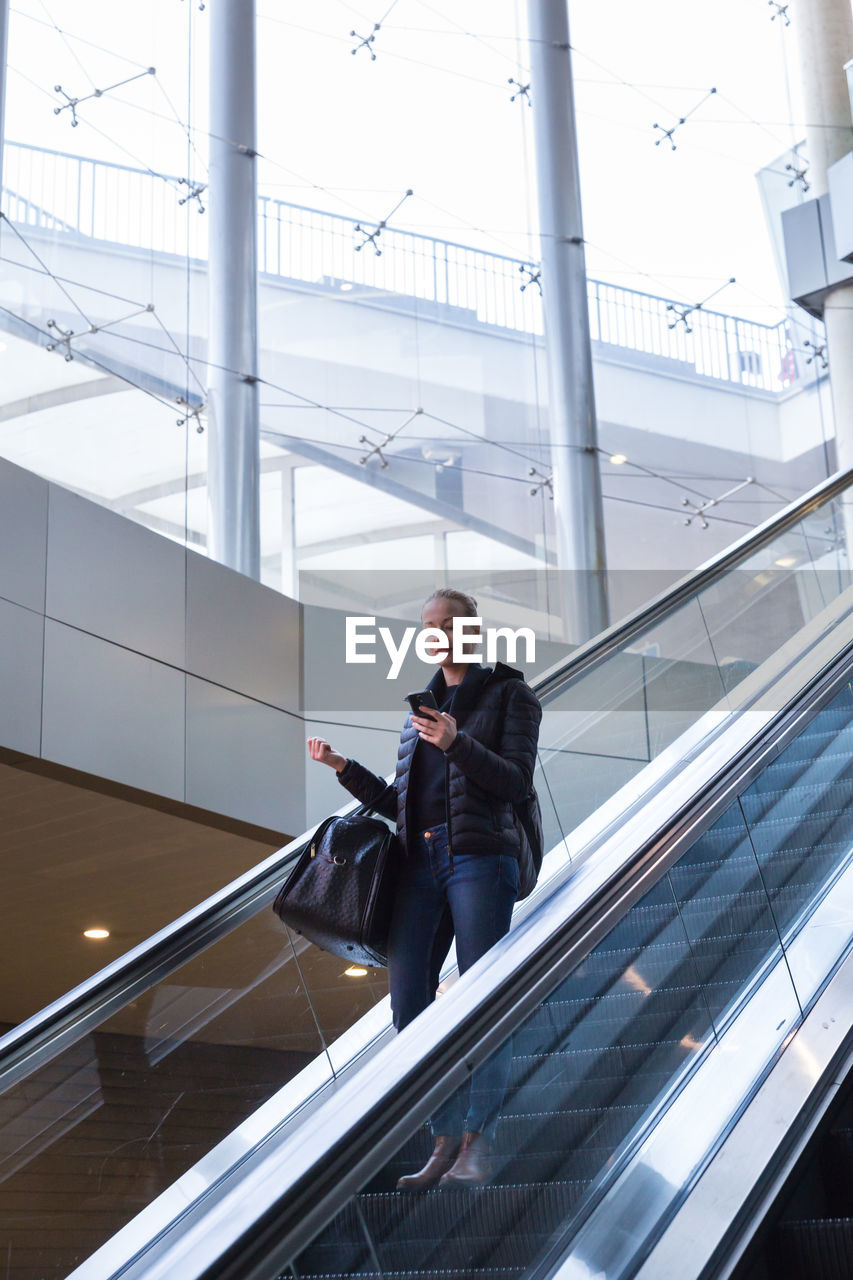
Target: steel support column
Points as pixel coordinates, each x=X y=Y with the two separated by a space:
x=233 y=414
x=578 y=504
x=824 y=35
x=4 y=73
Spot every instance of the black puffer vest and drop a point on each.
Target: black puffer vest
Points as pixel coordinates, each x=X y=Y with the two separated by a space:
x=489 y=765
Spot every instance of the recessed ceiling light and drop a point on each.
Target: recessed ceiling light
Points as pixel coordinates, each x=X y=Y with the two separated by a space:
x=618 y=458
x=96 y=933
x=345 y=287
x=786 y=562
x=355 y=971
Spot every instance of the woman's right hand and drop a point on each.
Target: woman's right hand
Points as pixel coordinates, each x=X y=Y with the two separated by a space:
x=319 y=749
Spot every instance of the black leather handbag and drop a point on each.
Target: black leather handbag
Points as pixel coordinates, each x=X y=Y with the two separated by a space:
x=340 y=894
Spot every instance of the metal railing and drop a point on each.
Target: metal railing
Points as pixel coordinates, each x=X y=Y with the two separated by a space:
x=62 y=193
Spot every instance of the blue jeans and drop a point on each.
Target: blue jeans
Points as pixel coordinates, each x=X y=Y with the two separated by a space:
x=475 y=902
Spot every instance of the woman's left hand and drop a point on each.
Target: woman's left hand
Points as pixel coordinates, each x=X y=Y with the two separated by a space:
x=439 y=729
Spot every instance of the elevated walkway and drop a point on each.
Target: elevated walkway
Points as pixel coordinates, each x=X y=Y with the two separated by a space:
x=353 y=347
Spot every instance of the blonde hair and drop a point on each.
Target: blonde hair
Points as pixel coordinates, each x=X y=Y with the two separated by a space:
x=468 y=603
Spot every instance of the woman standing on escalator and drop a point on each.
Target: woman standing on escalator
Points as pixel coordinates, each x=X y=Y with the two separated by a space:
x=452 y=798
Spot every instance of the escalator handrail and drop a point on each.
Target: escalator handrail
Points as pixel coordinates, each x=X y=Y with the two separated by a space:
x=296 y=1185
x=39 y=1037
x=596 y=650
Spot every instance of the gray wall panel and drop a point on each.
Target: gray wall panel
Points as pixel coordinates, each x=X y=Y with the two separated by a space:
x=110 y=576
x=840 y=179
x=242 y=635
x=804 y=248
x=113 y=713
x=244 y=759
x=375 y=747
x=23 y=536
x=21 y=649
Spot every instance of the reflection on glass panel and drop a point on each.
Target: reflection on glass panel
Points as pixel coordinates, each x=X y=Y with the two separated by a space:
x=400 y=553
x=340 y=992
x=579 y=783
x=91 y=1138
x=725 y=910
x=600 y=730
x=102 y=306
x=554 y=815
x=826 y=535
x=468 y=550
x=681 y=675
x=593 y=737
x=799 y=812
x=329 y=505
x=772 y=595
x=559 y=1100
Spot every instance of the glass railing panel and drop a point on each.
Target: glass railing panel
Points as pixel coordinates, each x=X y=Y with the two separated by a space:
x=556 y=819
x=681 y=676
x=801 y=826
x=800 y=839
x=593 y=735
x=602 y=728
x=605 y=726
x=89 y=1139
x=725 y=910
x=340 y=992
x=578 y=783
x=827 y=534
x=755 y=608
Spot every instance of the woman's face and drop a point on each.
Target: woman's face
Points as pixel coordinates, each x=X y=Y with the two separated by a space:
x=439 y=613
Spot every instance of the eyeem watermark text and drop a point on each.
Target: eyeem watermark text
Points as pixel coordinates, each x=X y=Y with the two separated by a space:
x=431 y=644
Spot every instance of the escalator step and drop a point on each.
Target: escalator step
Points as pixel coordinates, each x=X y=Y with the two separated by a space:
x=480 y=1273
x=564 y=1071
x=793 y=804
x=693 y=882
x=834 y=755
x=670 y=996
x=643 y=1028
x=492 y=1227
x=575 y=1164
x=615 y=1009
x=816 y=1249
x=545 y=1131
x=835 y=716
x=835 y=1160
x=625 y=1090
x=581 y=1064
x=617 y=1029
x=575 y=1144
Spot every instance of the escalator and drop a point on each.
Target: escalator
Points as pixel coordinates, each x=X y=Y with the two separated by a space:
x=218 y=1103
x=597 y=1057
x=625 y=1074
x=808 y=1233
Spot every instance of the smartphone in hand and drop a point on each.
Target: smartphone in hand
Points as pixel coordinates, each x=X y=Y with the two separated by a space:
x=418 y=700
